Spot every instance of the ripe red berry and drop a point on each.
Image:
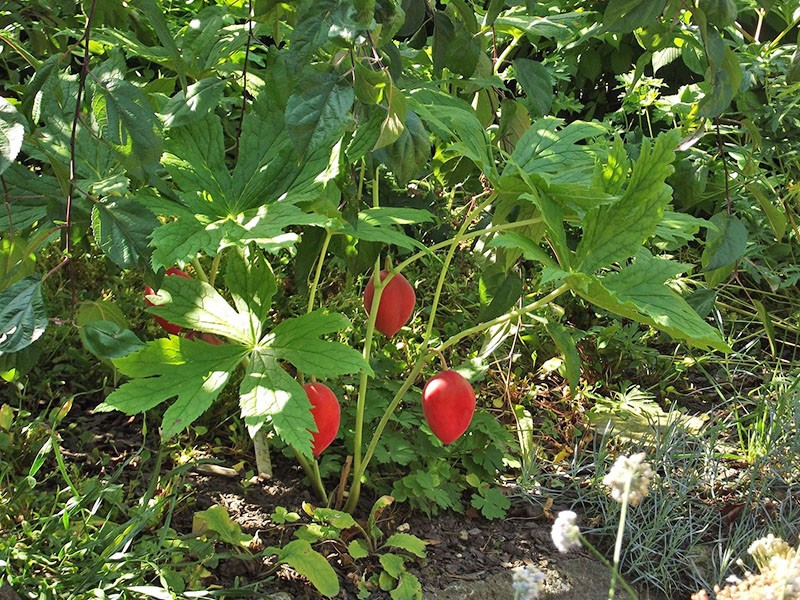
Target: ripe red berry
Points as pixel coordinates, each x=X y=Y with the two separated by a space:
x=448 y=402
x=168 y=327
x=397 y=303
x=326 y=413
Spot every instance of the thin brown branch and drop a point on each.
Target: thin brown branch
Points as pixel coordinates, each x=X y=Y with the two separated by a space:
x=250 y=17
x=72 y=154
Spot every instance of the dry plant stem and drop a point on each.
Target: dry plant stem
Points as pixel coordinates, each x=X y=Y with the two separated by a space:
x=261 y=447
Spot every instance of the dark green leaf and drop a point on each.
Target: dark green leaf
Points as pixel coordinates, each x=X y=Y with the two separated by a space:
x=200 y=99
x=106 y=340
x=566 y=345
x=22 y=314
x=623 y=16
x=537 y=85
x=726 y=242
x=317 y=112
x=122 y=228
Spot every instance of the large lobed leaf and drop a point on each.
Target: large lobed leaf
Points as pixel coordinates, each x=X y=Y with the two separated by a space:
x=615 y=232
x=638 y=292
x=192 y=371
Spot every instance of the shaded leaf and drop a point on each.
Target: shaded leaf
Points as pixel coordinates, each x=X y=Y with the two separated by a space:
x=23 y=318
x=122 y=228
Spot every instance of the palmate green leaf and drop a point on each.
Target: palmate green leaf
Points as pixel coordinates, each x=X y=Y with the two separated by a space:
x=297 y=341
x=552 y=151
x=198 y=101
x=268 y=393
x=453 y=119
x=318 y=110
x=638 y=292
x=122 y=227
x=250 y=282
x=269 y=168
x=375 y=225
x=12 y=130
x=191 y=370
x=197 y=305
x=23 y=318
x=179 y=240
x=195 y=159
x=132 y=125
x=615 y=232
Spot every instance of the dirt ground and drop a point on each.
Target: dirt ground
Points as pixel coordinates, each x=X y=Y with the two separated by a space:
x=467 y=555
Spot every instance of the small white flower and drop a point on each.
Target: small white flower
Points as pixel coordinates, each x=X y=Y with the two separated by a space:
x=633 y=469
x=565 y=532
x=528 y=582
x=764 y=549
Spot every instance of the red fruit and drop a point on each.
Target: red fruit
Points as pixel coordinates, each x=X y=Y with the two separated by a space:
x=397 y=303
x=326 y=413
x=148 y=291
x=448 y=402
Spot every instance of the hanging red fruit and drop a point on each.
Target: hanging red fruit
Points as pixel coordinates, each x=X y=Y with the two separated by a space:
x=448 y=402
x=396 y=305
x=326 y=412
x=148 y=291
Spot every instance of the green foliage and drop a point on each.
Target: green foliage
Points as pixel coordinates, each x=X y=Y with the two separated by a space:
x=525 y=163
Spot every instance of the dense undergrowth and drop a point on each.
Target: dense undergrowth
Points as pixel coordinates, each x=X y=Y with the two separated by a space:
x=596 y=204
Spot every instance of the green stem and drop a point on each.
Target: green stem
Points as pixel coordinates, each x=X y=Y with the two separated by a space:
x=212 y=274
x=198 y=268
x=466 y=236
x=312 y=472
x=586 y=544
x=509 y=316
x=312 y=292
x=504 y=54
x=623 y=514
x=358 y=472
x=361 y=402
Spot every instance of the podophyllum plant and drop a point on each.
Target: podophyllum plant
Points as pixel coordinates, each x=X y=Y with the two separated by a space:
x=223 y=168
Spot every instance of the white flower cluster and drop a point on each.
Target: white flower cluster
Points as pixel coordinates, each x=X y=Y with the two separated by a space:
x=566 y=533
x=631 y=469
x=765 y=549
x=528 y=583
x=778 y=579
